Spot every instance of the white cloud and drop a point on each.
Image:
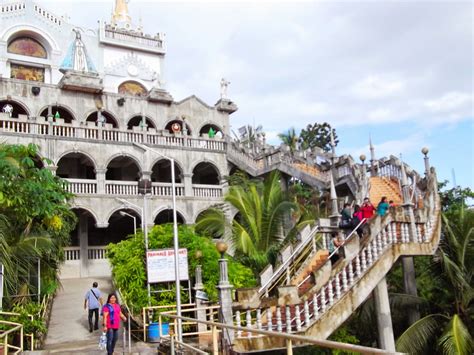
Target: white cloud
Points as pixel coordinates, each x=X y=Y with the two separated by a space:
x=375 y=87
x=450 y=101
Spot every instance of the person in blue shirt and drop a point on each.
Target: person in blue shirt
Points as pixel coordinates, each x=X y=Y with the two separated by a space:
x=383 y=206
x=93 y=301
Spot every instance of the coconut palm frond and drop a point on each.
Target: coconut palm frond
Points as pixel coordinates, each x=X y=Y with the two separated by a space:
x=456 y=340
x=212 y=222
x=417 y=338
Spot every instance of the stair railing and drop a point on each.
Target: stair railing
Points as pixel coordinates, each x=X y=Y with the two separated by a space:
x=280 y=271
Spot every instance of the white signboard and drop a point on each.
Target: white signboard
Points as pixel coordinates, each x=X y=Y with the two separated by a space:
x=160 y=265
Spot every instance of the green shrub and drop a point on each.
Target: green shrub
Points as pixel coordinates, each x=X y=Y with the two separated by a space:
x=128 y=266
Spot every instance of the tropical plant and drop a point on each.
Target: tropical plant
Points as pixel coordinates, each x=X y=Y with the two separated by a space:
x=129 y=273
x=290 y=139
x=35 y=218
x=258 y=227
x=448 y=330
x=318 y=135
x=250 y=136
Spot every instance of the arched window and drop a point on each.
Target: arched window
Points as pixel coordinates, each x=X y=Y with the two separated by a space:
x=27 y=46
x=132 y=88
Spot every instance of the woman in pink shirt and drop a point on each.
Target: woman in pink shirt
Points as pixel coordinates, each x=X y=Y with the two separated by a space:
x=112 y=314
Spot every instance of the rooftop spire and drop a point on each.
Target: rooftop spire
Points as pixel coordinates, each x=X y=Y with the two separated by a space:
x=120 y=15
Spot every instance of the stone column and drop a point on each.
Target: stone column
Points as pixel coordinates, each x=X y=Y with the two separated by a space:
x=425 y=152
x=100 y=177
x=373 y=168
x=384 y=318
x=188 y=184
x=335 y=216
x=409 y=283
x=287 y=214
x=83 y=245
x=198 y=287
x=225 y=297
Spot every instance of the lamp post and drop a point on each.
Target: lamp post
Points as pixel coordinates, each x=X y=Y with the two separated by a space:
x=123 y=213
x=145 y=233
x=175 y=236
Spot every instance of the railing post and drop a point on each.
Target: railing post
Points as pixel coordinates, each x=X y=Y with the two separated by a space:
x=215 y=345
x=172 y=344
x=289 y=347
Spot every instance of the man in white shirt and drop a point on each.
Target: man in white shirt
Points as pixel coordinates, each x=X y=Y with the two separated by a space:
x=93 y=301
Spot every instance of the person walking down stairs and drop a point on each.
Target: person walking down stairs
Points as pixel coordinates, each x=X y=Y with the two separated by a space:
x=93 y=301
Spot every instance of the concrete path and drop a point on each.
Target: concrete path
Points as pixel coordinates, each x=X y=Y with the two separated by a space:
x=68 y=331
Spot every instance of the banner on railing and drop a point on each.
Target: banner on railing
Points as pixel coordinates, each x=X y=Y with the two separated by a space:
x=160 y=265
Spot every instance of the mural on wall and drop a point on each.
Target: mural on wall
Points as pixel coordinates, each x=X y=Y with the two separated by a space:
x=24 y=72
x=27 y=46
x=132 y=88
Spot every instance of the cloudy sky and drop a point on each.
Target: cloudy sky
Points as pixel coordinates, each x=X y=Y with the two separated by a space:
x=400 y=71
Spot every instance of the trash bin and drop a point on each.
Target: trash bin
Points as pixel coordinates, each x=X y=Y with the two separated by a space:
x=154 y=331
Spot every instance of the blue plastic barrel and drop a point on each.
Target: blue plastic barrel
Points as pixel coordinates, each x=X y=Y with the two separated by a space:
x=154 y=331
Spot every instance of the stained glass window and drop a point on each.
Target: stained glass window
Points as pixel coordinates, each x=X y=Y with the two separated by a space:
x=27 y=46
x=24 y=72
x=131 y=88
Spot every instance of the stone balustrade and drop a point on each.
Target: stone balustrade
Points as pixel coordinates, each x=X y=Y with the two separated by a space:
x=72 y=253
x=90 y=132
x=81 y=186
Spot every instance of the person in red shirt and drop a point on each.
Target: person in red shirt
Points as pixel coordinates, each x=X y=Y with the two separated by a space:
x=367 y=209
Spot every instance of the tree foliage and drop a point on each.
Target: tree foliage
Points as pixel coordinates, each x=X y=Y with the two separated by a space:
x=128 y=265
x=318 y=135
x=35 y=218
x=290 y=139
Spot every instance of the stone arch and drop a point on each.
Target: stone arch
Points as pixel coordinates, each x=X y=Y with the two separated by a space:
x=132 y=88
x=125 y=208
x=166 y=213
x=109 y=117
x=204 y=129
x=136 y=119
x=35 y=32
x=170 y=122
x=65 y=112
x=69 y=151
x=22 y=109
x=78 y=206
x=166 y=177
x=205 y=173
x=72 y=165
x=121 y=172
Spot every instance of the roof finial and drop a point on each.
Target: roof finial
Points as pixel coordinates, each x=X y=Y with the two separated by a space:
x=373 y=169
x=120 y=16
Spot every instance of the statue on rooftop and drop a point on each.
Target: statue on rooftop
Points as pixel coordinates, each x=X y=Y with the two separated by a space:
x=224 y=86
x=8 y=109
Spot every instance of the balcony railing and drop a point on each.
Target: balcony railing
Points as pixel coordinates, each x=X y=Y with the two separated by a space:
x=207 y=191
x=82 y=187
x=76 y=130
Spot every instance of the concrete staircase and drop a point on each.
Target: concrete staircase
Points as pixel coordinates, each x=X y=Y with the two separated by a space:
x=383 y=186
x=321 y=310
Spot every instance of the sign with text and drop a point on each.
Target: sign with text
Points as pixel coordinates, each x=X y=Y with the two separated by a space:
x=160 y=265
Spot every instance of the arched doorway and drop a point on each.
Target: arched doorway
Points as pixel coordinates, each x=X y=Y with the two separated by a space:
x=206 y=174
x=102 y=117
x=76 y=166
x=121 y=226
x=177 y=126
x=137 y=121
x=13 y=108
x=58 y=111
x=211 y=131
x=166 y=216
x=123 y=168
x=161 y=172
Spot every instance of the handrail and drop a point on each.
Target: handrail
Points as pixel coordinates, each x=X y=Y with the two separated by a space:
x=129 y=331
x=31 y=335
x=289 y=337
x=278 y=272
x=6 y=333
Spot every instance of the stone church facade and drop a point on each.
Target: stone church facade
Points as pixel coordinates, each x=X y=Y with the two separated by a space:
x=85 y=97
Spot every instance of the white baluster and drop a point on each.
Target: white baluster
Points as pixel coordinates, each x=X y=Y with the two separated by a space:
x=338 y=287
x=298 y=317
x=259 y=319
x=249 y=322
x=369 y=254
x=344 y=276
x=323 y=299
x=315 y=306
x=238 y=323
x=364 y=260
x=306 y=313
x=278 y=316
x=358 y=269
x=269 y=319
x=288 y=319
x=375 y=249
x=330 y=293
x=418 y=233
x=380 y=241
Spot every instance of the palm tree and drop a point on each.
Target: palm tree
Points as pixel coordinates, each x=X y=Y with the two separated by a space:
x=258 y=228
x=447 y=331
x=290 y=139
